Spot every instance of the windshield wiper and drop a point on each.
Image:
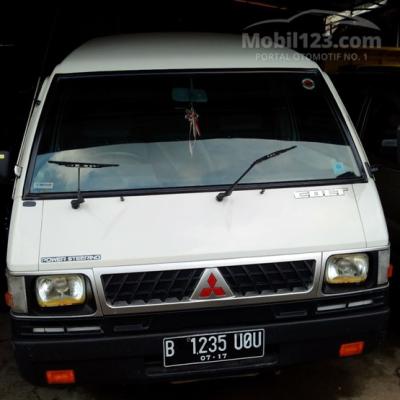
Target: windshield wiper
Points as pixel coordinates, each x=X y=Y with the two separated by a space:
x=76 y=203
x=348 y=174
x=231 y=188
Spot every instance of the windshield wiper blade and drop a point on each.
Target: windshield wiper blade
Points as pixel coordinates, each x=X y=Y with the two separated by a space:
x=231 y=188
x=345 y=175
x=76 y=203
x=74 y=164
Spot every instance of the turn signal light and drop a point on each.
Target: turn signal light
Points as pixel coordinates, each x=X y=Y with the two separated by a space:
x=351 y=349
x=60 y=377
x=8 y=299
x=390 y=271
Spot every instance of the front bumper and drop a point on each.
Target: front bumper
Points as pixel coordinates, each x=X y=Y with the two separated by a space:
x=129 y=349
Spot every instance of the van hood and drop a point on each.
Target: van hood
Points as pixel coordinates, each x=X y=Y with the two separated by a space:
x=107 y=232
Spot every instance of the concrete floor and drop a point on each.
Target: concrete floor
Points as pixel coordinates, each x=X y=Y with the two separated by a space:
x=375 y=376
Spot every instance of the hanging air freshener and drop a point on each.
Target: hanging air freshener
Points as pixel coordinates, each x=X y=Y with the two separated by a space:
x=194 y=129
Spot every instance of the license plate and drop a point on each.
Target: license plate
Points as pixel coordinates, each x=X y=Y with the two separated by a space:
x=213 y=347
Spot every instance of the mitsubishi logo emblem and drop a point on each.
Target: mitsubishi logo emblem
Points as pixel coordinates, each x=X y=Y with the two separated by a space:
x=212 y=285
x=212 y=288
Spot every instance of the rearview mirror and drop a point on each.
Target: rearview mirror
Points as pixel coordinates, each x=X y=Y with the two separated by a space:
x=186 y=95
x=4 y=166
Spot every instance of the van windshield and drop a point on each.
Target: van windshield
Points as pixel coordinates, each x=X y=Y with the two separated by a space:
x=192 y=130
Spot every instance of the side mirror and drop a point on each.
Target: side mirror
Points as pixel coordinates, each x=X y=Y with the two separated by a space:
x=4 y=166
x=389 y=149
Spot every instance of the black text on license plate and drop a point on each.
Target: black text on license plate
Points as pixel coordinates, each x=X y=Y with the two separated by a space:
x=213 y=347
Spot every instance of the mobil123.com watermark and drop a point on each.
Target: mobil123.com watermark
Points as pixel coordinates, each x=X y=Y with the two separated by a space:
x=317 y=45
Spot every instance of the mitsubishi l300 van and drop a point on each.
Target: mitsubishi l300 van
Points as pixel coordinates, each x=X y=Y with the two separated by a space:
x=188 y=206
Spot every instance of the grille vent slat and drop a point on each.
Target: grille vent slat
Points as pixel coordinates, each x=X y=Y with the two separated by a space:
x=145 y=287
x=273 y=277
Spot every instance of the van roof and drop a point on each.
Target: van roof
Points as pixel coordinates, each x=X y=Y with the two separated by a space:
x=176 y=51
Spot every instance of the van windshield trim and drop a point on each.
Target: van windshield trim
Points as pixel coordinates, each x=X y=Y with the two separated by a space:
x=28 y=195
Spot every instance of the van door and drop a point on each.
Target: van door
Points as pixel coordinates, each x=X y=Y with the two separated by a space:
x=380 y=133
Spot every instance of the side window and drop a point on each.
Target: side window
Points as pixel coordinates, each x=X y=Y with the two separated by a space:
x=382 y=133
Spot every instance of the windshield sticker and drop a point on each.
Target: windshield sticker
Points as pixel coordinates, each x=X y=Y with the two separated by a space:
x=46 y=260
x=308 y=84
x=338 y=167
x=43 y=185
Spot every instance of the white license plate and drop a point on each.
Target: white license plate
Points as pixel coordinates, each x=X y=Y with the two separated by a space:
x=213 y=347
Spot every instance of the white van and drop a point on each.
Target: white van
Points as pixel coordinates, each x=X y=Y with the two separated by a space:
x=186 y=207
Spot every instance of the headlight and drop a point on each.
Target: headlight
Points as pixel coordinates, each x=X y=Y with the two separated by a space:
x=347 y=268
x=60 y=290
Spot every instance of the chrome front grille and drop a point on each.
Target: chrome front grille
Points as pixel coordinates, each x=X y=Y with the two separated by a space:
x=177 y=286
